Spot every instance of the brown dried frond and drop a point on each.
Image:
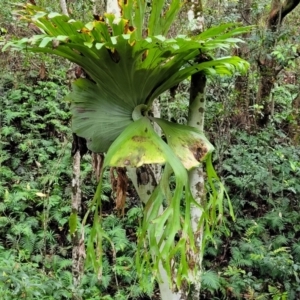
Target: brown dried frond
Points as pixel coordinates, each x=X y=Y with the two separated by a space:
x=97 y=164
x=119 y=186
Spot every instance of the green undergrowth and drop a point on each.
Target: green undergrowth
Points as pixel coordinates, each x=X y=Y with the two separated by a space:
x=35 y=193
x=260 y=258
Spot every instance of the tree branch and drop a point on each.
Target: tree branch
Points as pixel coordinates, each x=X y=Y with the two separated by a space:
x=280 y=11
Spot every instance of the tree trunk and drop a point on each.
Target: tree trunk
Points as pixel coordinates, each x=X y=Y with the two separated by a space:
x=63 y=6
x=196 y=176
x=99 y=7
x=241 y=82
x=79 y=148
x=144 y=181
x=267 y=66
x=113 y=7
x=78 y=250
x=279 y=12
x=294 y=127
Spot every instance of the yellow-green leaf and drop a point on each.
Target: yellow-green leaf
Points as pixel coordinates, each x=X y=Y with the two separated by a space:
x=190 y=145
x=73 y=222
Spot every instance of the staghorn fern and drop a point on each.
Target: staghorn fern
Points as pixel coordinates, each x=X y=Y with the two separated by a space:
x=128 y=70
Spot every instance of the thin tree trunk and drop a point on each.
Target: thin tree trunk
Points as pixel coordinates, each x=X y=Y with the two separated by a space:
x=78 y=250
x=294 y=127
x=156 y=169
x=267 y=66
x=196 y=176
x=113 y=7
x=241 y=82
x=63 y=6
x=79 y=148
x=99 y=7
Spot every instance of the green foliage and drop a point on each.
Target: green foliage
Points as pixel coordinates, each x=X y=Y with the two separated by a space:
x=117 y=57
x=35 y=251
x=33 y=120
x=210 y=281
x=111 y=112
x=258 y=259
x=20 y=279
x=263 y=247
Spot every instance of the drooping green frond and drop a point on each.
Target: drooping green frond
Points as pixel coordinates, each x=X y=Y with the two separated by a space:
x=190 y=145
x=139 y=144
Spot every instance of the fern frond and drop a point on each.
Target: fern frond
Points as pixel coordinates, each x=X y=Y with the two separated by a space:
x=210 y=280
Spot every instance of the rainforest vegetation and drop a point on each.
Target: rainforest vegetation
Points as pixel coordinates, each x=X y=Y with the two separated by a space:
x=80 y=215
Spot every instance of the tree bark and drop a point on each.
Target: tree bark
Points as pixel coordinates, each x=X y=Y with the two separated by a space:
x=279 y=12
x=63 y=6
x=79 y=148
x=196 y=176
x=113 y=7
x=294 y=127
x=267 y=65
x=99 y=7
x=78 y=250
x=241 y=82
x=144 y=181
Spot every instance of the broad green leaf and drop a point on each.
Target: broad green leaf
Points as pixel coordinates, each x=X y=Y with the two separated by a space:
x=73 y=223
x=189 y=144
x=136 y=146
x=45 y=42
x=98 y=116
